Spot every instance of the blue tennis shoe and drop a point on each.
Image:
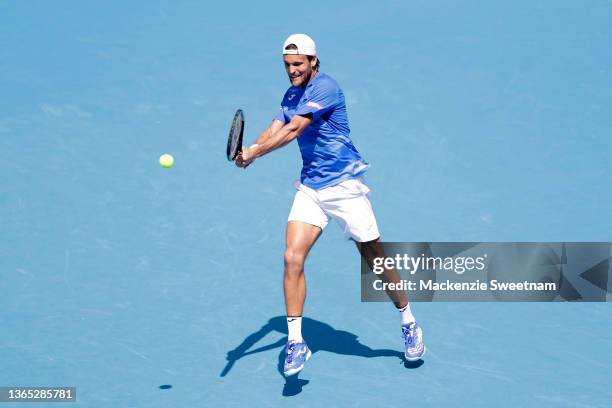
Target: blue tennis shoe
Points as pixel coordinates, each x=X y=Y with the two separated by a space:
x=296 y=355
x=413 y=338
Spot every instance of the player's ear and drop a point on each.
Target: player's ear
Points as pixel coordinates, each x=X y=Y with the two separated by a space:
x=313 y=63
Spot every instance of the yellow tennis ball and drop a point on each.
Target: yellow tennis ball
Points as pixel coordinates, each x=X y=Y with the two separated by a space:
x=166 y=160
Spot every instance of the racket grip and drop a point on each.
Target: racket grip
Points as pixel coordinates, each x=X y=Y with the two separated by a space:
x=254 y=145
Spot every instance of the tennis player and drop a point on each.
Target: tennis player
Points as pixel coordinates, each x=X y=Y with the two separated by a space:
x=313 y=111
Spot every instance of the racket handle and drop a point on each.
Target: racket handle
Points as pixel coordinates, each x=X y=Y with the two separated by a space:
x=254 y=145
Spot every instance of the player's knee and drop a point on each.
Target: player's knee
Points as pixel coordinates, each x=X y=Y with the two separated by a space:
x=370 y=248
x=294 y=262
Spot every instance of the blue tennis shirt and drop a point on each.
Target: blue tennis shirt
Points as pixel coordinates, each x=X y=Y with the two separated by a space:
x=328 y=154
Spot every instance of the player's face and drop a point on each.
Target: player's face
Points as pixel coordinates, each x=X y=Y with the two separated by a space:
x=299 y=69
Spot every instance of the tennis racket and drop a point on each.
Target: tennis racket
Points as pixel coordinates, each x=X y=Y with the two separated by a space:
x=234 y=140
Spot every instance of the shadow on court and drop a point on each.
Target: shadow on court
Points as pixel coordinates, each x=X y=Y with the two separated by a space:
x=319 y=336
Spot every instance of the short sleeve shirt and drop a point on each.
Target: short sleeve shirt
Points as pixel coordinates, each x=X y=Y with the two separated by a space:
x=328 y=154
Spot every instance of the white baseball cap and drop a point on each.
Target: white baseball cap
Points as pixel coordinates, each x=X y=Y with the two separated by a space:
x=305 y=45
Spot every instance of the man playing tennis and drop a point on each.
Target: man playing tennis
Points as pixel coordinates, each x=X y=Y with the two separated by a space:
x=313 y=111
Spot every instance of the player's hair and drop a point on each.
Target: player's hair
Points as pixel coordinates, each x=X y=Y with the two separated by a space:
x=310 y=57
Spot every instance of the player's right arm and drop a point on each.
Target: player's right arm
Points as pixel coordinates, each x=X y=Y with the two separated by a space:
x=274 y=127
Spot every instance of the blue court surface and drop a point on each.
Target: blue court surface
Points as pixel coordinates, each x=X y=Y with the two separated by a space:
x=152 y=287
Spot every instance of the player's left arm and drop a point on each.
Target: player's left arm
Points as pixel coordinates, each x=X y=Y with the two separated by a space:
x=280 y=138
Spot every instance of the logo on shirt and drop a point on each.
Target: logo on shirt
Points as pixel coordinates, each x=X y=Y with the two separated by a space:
x=290 y=97
x=314 y=105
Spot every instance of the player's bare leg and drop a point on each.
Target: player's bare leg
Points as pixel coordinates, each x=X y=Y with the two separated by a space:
x=374 y=249
x=299 y=239
x=411 y=332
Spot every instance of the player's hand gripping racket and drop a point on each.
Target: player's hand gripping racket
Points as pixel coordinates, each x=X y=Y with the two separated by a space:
x=234 y=140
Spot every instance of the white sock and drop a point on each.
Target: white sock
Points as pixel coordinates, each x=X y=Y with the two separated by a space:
x=294 y=324
x=406 y=314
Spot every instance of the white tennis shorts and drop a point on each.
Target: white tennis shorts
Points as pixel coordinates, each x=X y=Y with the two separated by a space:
x=348 y=203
